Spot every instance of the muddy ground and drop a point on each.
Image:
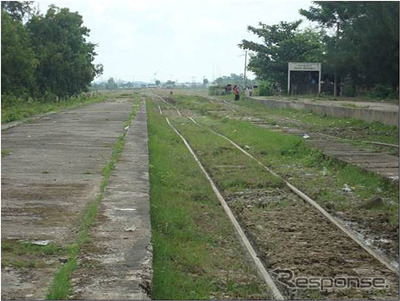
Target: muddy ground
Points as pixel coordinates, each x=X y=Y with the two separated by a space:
x=53 y=170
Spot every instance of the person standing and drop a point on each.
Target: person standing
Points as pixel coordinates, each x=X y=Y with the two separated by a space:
x=236 y=92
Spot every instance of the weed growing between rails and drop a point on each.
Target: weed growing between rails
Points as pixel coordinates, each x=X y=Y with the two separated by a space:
x=61 y=287
x=196 y=253
x=275 y=219
x=294 y=160
x=369 y=205
x=290 y=157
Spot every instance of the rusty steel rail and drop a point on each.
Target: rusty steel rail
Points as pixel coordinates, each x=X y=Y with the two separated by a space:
x=314 y=204
x=277 y=295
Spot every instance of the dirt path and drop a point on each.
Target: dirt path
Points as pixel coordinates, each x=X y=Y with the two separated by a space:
x=54 y=168
x=120 y=253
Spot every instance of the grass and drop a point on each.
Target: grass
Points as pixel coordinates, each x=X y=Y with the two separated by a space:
x=219 y=155
x=320 y=177
x=27 y=248
x=61 y=287
x=19 y=254
x=322 y=98
x=24 y=109
x=5 y=152
x=343 y=127
x=291 y=158
x=349 y=128
x=196 y=253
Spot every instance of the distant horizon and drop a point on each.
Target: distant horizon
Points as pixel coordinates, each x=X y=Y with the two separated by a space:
x=152 y=81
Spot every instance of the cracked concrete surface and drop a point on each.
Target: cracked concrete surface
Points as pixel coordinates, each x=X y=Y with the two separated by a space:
x=117 y=264
x=54 y=169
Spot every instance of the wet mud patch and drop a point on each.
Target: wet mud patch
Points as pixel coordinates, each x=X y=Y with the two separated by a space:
x=375 y=230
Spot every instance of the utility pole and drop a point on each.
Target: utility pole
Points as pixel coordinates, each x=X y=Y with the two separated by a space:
x=245 y=65
x=335 y=79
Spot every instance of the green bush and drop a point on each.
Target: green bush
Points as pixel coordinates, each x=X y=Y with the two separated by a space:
x=48 y=97
x=381 y=91
x=216 y=90
x=349 y=90
x=10 y=100
x=265 y=88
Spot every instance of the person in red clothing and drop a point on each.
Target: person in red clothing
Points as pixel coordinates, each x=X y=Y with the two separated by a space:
x=236 y=92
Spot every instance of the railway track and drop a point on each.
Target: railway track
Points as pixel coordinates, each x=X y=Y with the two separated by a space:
x=358 y=256
x=372 y=157
x=258 y=121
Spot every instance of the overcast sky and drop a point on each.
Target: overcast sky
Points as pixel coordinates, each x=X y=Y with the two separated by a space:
x=176 y=39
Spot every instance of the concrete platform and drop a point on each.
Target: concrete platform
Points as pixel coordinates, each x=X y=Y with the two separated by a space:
x=53 y=170
x=120 y=255
x=368 y=111
x=385 y=165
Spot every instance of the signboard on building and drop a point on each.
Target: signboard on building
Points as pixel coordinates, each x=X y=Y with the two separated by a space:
x=296 y=66
x=304 y=66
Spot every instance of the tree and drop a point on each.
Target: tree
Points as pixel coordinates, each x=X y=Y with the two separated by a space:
x=231 y=79
x=374 y=37
x=205 y=81
x=365 y=45
x=111 y=84
x=283 y=43
x=65 y=57
x=17 y=10
x=170 y=83
x=17 y=57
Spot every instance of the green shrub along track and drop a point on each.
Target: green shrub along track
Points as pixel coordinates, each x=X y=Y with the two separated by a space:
x=270 y=213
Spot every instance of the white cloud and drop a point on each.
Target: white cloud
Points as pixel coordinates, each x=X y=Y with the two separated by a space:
x=178 y=38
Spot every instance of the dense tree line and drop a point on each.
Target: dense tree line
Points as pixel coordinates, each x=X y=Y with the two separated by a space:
x=44 y=56
x=356 y=41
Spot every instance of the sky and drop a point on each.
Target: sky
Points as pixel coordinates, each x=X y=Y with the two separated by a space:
x=184 y=41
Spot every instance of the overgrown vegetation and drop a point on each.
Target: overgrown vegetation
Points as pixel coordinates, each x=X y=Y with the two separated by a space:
x=14 y=108
x=196 y=253
x=351 y=128
x=320 y=177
